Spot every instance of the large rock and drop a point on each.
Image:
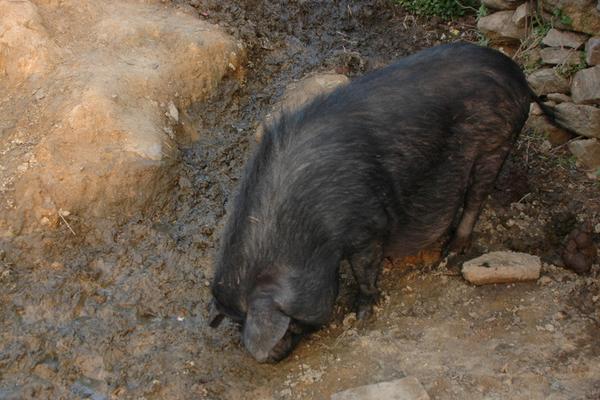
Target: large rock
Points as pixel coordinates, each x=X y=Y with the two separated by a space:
x=556 y=38
x=555 y=134
x=547 y=80
x=581 y=119
x=408 y=388
x=592 y=51
x=95 y=135
x=586 y=86
x=502 y=267
x=298 y=93
x=560 y=56
x=584 y=16
x=587 y=152
x=500 y=27
x=502 y=4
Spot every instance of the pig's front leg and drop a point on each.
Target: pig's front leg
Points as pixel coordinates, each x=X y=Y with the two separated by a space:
x=366 y=265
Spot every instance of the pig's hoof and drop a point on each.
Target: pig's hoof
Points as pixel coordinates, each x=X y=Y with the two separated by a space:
x=457 y=246
x=364 y=307
x=364 y=312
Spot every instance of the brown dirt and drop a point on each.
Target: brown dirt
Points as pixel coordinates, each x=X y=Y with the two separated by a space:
x=119 y=311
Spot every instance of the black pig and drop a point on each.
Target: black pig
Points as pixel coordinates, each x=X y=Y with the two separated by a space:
x=384 y=163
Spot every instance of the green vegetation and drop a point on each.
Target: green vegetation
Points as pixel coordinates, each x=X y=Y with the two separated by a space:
x=568 y=71
x=563 y=18
x=482 y=11
x=446 y=9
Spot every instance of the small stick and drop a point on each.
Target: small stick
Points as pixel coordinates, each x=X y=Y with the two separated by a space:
x=66 y=223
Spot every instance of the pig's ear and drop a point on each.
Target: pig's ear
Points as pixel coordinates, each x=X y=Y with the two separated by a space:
x=264 y=327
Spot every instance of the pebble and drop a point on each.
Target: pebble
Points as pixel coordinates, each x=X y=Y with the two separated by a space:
x=544 y=281
x=173 y=113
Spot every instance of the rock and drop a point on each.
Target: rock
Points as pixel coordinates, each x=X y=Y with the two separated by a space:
x=501 y=4
x=521 y=14
x=500 y=27
x=592 y=51
x=581 y=119
x=547 y=80
x=502 y=267
x=298 y=93
x=535 y=109
x=532 y=59
x=408 y=388
x=585 y=88
x=558 y=97
x=560 y=56
x=587 y=152
x=555 y=134
x=579 y=251
x=581 y=15
x=556 y=38
x=108 y=70
x=26 y=48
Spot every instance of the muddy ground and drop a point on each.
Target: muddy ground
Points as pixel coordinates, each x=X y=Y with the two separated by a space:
x=120 y=312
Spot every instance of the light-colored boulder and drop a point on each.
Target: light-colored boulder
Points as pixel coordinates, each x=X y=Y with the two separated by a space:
x=581 y=119
x=94 y=134
x=499 y=27
x=502 y=267
x=299 y=93
x=585 y=88
x=408 y=388
x=547 y=80
x=558 y=38
x=560 y=56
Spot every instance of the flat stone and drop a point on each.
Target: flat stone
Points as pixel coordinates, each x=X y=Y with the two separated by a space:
x=502 y=267
x=299 y=93
x=587 y=152
x=408 y=388
x=557 y=38
x=558 y=55
x=501 y=4
x=547 y=80
x=585 y=88
x=500 y=27
x=581 y=119
x=592 y=51
x=558 y=97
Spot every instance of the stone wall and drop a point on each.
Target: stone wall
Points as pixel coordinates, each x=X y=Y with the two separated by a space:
x=559 y=44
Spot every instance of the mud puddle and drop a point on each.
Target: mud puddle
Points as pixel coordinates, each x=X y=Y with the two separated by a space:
x=121 y=312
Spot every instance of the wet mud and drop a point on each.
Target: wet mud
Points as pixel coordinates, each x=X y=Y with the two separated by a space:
x=120 y=311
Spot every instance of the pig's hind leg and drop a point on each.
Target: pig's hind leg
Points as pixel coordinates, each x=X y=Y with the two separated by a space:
x=483 y=175
x=366 y=265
